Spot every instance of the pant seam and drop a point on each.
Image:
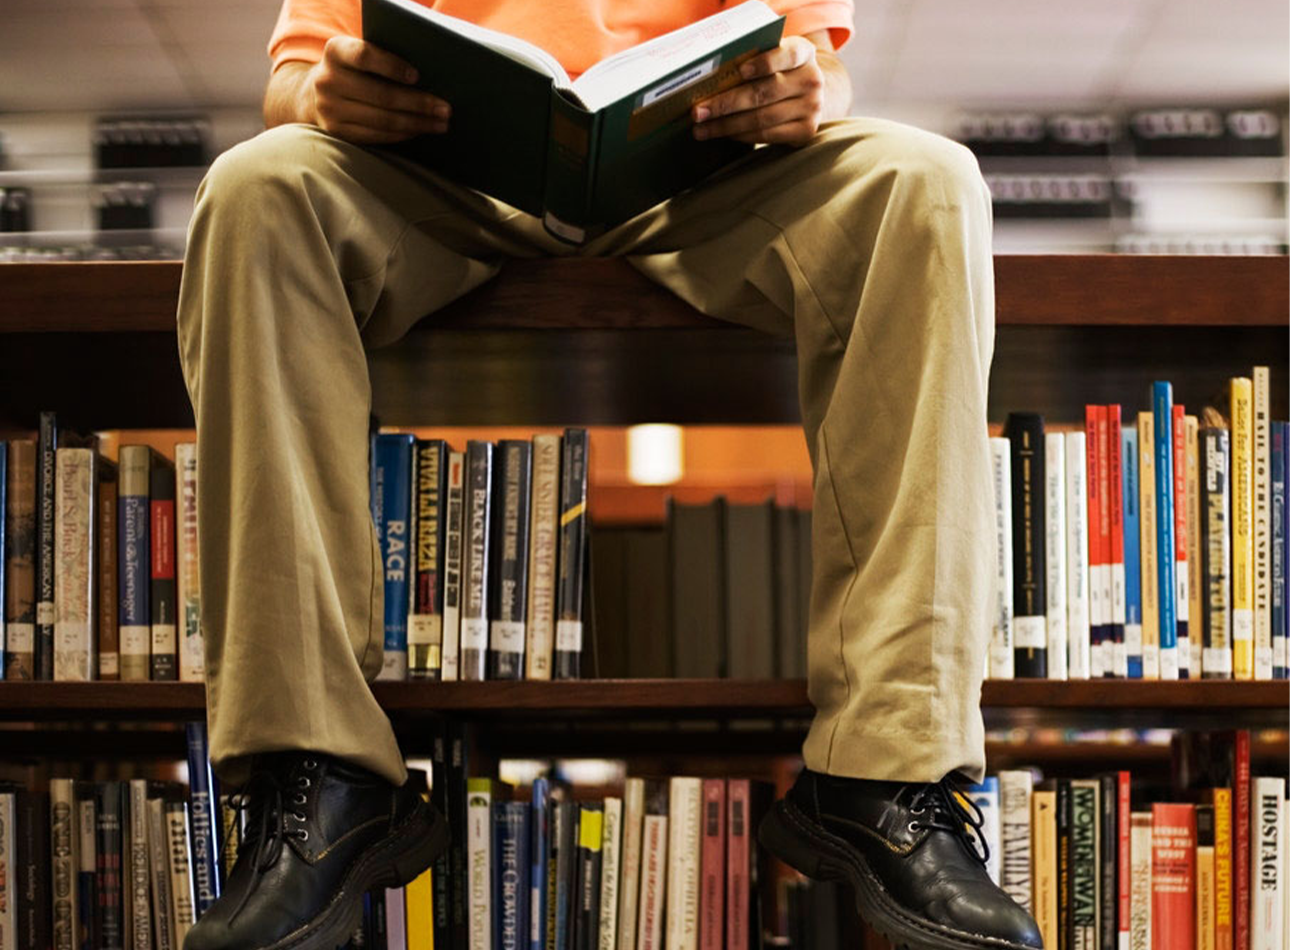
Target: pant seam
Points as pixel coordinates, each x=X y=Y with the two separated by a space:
x=846 y=673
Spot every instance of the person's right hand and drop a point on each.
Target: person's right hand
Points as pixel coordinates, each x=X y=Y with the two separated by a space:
x=364 y=95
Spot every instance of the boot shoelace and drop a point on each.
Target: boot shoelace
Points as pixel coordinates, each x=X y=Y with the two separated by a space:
x=941 y=805
x=269 y=822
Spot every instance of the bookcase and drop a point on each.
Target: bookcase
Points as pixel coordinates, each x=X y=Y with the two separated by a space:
x=593 y=342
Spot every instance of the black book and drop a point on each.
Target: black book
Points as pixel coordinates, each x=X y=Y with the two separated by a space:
x=647 y=634
x=508 y=583
x=563 y=858
x=1109 y=853
x=586 y=901
x=164 y=601
x=456 y=804
x=1025 y=432
x=425 y=623
x=696 y=551
x=1065 y=923
x=34 y=910
x=439 y=799
x=571 y=566
x=46 y=448
x=751 y=648
x=610 y=585
x=476 y=559
x=789 y=633
x=87 y=910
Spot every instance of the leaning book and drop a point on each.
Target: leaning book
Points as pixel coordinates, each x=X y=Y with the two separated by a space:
x=583 y=154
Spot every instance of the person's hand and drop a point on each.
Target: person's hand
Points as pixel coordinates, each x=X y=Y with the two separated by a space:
x=363 y=94
x=781 y=99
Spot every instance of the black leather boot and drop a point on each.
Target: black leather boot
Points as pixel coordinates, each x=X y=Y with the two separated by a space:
x=907 y=851
x=319 y=833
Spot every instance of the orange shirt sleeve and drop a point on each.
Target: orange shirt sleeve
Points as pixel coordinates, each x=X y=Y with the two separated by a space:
x=305 y=26
x=809 y=16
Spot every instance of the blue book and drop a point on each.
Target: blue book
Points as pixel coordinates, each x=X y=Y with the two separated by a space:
x=1278 y=550
x=538 y=820
x=985 y=795
x=1162 y=405
x=202 y=818
x=1132 y=552
x=4 y=474
x=392 y=482
x=511 y=876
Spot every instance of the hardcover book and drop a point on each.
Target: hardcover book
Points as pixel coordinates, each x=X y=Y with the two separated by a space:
x=610 y=873
x=1162 y=401
x=1147 y=537
x=163 y=601
x=1262 y=562
x=749 y=579
x=602 y=148
x=685 y=831
x=1195 y=590
x=477 y=559
x=1025 y=433
x=479 y=861
x=510 y=875
x=1055 y=552
x=1267 y=845
x=1173 y=876
x=203 y=810
x=8 y=870
x=20 y=562
x=571 y=564
x=1205 y=929
x=1044 y=864
x=712 y=884
x=1015 y=787
x=133 y=561
x=192 y=657
x=654 y=860
x=1140 y=860
x=393 y=458
x=1242 y=506
x=1085 y=864
x=64 y=863
x=586 y=878
x=539 y=842
x=1216 y=552
x=1116 y=652
x=1132 y=554
x=1182 y=576
x=544 y=531
x=46 y=463
x=1277 y=502
x=630 y=874
x=985 y=795
x=1098 y=554
x=452 y=551
x=75 y=492
x=698 y=605
x=508 y=584
x=425 y=624
x=1079 y=661
x=109 y=659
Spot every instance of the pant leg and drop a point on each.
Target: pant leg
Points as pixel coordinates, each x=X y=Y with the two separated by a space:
x=872 y=247
x=303 y=250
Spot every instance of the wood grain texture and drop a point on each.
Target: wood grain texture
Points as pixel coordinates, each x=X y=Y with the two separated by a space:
x=1069 y=290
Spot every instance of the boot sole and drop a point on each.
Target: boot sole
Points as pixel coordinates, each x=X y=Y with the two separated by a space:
x=395 y=862
x=791 y=836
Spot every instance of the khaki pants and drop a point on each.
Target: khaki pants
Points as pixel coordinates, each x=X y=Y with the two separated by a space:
x=871 y=247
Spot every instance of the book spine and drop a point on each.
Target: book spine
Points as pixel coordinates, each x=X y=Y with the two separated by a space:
x=1241 y=816
x=1166 y=592
x=4 y=509
x=591 y=832
x=440 y=921
x=1015 y=787
x=458 y=867
x=1205 y=930
x=1195 y=590
x=1147 y=537
x=1222 y=798
x=985 y=795
x=477 y=558
x=163 y=603
x=654 y=883
x=1055 y=553
x=46 y=475
x=510 y=875
x=1267 y=916
x=202 y=817
x=1217 y=555
x=133 y=561
x=1285 y=559
x=1065 y=930
x=1173 y=876
x=685 y=815
x=192 y=642
x=1099 y=608
x=1242 y=477
x=712 y=865
x=425 y=625
x=1277 y=501
x=159 y=874
x=1043 y=872
x=396 y=907
x=539 y=826
x=64 y=863
x=392 y=480
x=1182 y=576
x=1261 y=456
x=566 y=196
x=1108 y=846
x=20 y=562
x=630 y=873
x=1026 y=433
x=1123 y=868
x=139 y=882
x=563 y=863
x=572 y=555
x=86 y=901
x=1084 y=857
x=34 y=921
x=74 y=496
x=479 y=797
x=105 y=542
x=1077 y=564
x=738 y=864
x=107 y=846
x=1132 y=553
x=1002 y=648
x=181 y=865
x=1115 y=500
x=8 y=871
x=611 y=846
x=1140 y=903
x=1105 y=661
x=509 y=584
x=418 y=912
x=544 y=532
x=452 y=553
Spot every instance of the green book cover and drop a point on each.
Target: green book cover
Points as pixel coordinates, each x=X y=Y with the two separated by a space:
x=583 y=155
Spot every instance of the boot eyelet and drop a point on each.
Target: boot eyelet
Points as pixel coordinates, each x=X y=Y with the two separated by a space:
x=921 y=809
x=299 y=799
x=310 y=764
x=297 y=816
x=303 y=781
x=913 y=827
x=304 y=834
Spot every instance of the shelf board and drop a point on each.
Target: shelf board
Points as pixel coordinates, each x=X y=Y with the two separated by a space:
x=588 y=294
x=659 y=699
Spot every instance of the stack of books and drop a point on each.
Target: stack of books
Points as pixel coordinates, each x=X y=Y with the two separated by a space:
x=1150 y=547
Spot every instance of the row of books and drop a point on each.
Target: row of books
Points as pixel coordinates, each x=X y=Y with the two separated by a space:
x=485 y=555
x=42 y=254
x=1156 y=549
x=98 y=560
x=722 y=589
x=1097 y=869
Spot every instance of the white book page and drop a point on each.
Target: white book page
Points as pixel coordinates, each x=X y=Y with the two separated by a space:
x=623 y=73
x=517 y=49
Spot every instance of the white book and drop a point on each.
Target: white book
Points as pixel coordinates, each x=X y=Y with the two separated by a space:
x=8 y=872
x=985 y=795
x=1077 y=620
x=544 y=537
x=685 y=838
x=75 y=495
x=181 y=869
x=452 y=567
x=396 y=919
x=1015 y=786
x=630 y=873
x=653 y=896
x=1002 y=650
x=163 y=921
x=1285 y=870
x=64 y=844
x=479 y=865
x=610 y=853
x=135 y=882
x=1262 y=528
x=1055 y=552
x=1267 y=863
x=1140 y=881
x=188 y=588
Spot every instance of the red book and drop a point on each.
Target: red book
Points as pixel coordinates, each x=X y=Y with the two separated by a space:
x=1124 y=869
x=1173 y=876
x=738 y=865
x=1097 y=561
x=1116 y=659
x=712 y=867
x=1241 y=838
x=1180 y=541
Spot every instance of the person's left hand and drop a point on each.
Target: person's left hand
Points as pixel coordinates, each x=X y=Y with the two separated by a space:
x=781 y=99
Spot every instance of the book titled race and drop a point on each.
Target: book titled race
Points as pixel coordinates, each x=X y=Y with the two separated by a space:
x=596 y=151
x=391 y=493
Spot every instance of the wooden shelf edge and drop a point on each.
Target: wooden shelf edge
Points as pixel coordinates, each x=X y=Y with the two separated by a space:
x=681 y=699
x=603 y=293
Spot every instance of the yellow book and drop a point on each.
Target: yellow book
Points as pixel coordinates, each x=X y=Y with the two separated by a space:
x=1043 y=862
x=1242 y=529
x=1195 y=589
x=1262 y=511
x=418 y=911
x=1205 y=898
x=1147 y=545
x=1222 y=799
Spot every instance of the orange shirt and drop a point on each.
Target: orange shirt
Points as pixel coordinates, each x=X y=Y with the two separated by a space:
x=578 y=33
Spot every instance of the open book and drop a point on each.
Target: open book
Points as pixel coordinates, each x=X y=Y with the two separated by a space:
x=583 y=155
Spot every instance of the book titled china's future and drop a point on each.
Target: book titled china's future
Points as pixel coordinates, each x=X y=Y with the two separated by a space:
x=582 y=154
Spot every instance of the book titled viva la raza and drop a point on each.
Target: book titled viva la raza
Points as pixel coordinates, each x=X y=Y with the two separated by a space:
x=596 y=151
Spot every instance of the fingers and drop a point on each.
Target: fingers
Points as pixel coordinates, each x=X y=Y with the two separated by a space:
x=347 y=112
x=374 y=91
x=792 y=53
x=742 y=98
x=361 y=94
x=755 y=120
x=357 y=54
